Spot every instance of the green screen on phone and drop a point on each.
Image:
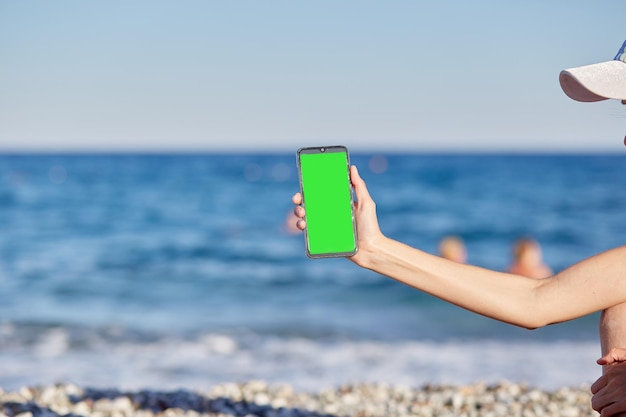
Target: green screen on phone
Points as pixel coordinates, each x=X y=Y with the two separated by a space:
x=327 y=199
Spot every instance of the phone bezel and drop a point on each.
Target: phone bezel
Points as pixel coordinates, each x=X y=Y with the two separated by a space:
x=327 y=150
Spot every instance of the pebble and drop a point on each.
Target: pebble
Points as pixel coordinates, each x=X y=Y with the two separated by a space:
x=260 y=399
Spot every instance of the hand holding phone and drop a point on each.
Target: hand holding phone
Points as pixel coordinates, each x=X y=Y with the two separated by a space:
x=324 y=174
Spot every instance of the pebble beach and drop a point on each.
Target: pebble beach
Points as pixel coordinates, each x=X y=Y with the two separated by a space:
x=258 y=398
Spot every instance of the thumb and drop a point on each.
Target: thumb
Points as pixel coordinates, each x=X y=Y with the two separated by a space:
x=360 y=189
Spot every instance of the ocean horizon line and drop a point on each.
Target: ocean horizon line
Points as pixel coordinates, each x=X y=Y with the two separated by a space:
x=283 y=152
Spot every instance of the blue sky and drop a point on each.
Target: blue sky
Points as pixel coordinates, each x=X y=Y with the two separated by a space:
x=255 y=75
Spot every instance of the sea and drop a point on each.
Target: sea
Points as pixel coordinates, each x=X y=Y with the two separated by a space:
x=183 y=271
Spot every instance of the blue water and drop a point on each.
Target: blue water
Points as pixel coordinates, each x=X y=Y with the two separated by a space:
x=169 y=271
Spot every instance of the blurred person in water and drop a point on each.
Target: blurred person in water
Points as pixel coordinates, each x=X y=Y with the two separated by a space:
x=594 y=284
x=528 y=259
x=453 y=248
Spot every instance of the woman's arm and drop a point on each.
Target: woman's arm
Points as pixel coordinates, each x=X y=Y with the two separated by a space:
x=591 y=285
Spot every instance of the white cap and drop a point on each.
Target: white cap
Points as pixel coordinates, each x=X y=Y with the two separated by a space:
x=597 y=81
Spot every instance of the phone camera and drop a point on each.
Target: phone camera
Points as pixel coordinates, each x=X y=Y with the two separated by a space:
x=323 y=150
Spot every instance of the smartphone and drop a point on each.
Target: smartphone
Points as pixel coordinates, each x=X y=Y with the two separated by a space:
x=327 y=198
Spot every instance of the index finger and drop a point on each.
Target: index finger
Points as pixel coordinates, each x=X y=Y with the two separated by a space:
x=599 y=384
x=297 y=199
x=614 y=355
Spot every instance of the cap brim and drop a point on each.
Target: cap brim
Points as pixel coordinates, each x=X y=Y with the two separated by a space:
x=595 y=82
